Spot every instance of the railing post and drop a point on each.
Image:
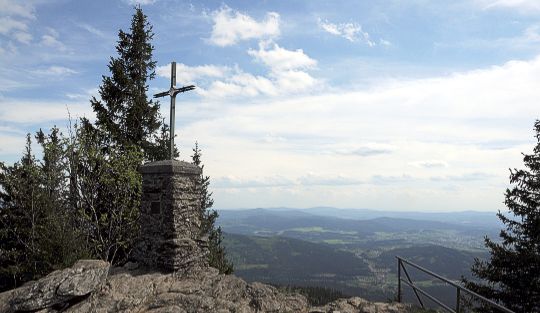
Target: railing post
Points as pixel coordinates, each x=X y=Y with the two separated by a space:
x=399 y=280
x=458 y=300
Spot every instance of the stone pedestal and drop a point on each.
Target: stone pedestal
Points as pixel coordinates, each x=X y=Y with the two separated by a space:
x=170 y=218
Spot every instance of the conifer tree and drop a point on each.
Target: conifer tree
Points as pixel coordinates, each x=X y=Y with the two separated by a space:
x=160 y=150
x=124 y=113
x=36 y=233
x=217 y=256
x=19 y=216
x=60 y=240
x=511 y=275
x=106 y=186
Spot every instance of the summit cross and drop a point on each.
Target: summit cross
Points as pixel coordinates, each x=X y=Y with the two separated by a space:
x=172 y=92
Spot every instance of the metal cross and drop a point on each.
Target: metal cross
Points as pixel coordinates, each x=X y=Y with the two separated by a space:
x=172 y=92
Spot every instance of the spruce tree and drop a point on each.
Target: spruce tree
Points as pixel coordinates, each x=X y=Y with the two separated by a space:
x=124 y=113
x=60 y=241
x=105 y=183
x=19 y=217
x=37 y=233
x=511 y=276
x=217 y=256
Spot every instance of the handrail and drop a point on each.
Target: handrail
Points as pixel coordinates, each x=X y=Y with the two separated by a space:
x=459 y=288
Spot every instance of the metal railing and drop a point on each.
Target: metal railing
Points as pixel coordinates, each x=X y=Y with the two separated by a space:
x=459 y=289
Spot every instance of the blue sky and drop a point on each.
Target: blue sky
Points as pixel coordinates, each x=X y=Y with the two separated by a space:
x=401 y=105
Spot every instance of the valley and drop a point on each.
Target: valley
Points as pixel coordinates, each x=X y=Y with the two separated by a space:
x=354 y=255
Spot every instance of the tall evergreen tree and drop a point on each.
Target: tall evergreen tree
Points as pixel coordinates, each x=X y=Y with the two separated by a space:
x=124 y=113
x=217 y=257
x=19 y=217
x=36 y=233
x=105 y=184
x=60 y=239
x=512 y=274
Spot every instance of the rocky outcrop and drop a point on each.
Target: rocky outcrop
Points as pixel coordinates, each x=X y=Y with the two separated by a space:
x=59 y=288
x=86 y=287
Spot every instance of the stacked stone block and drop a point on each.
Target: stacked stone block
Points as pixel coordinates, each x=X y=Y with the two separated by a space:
x=170 y=218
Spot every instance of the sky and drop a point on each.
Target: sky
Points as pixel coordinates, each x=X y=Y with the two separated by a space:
x=394 y=105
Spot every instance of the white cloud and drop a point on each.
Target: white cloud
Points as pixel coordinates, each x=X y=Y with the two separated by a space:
x=315 y=179
x=365 y=150
x=51 y=40
x=23 y=37
x=527 y=40
x=17 y=8
x=254 y=85
x=91 y=29
x=531 y=34
x=293 y=81
x=31 y=111
x=384 y=42
x=12 y=144
x=391 y=179
x=231 y=26
x=286 y=75
x=279 y=59
x=188 y=74
x=8 y=24
x=430 y=164
x=350 y=31
x=522 y=5
x=243 y=84
x=240 y=84
x=395 y=139
x=84 y=95
x=259 y=182
x=141 y=2
x=467 y=177
x=14 y=19
x=56 y=70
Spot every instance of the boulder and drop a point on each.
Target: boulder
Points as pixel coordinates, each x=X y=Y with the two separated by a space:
x=61 y=286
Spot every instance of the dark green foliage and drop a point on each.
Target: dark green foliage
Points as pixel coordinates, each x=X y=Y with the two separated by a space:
x=288 y=261
x=124 y=112
x=36 y=233
x=107 y=189
x=160 y=150
x=217 y=255
x=61 y=239
x=512 y=274
x=82 y=198
x=316 y=296
x=450 y=263
x=105 y=183
x=19 y=245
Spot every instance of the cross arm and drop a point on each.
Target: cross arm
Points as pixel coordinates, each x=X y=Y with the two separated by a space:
x=161 y=94
x=185 y=88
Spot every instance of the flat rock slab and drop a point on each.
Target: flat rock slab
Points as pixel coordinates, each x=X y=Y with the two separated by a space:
x=61 y=286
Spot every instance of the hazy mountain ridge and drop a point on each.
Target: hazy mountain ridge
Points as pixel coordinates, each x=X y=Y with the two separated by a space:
x=304 y=225
x=466 y=218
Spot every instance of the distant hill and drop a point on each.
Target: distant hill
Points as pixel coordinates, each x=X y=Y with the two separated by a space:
x=467 y=218
x=271 y=222
x=290 y=261
x=355 y=252
x=450 y=263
